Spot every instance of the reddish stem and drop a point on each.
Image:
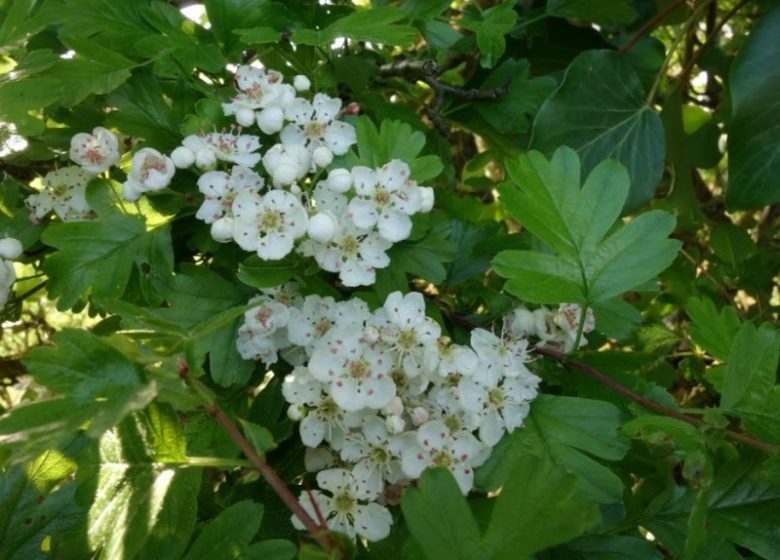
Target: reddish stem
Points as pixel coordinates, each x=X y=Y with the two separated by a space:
x=649 y=24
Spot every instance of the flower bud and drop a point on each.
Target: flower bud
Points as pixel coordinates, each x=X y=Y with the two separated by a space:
x=301 y=83
x=286 y=172
x=322 y=227
x=322 y=156
x=394 y=424
x=130 y=191
x=426 y=199
x=295 y=189
x=396 y=407
x=270 y=120
x=222 y=230
x=205 y=159
x=10 y=248
x=371 y=334
x=522 y=322
x=245 y=116
x=419 y=416
x=339 y=180
x=183 y=157
x=296 y=412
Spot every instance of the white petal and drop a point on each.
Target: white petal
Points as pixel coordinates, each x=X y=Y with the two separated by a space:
x=312 y=430
x=362 y=213
x=339 y=136
x=372 y=522
x=394 y=225
x=334 y=480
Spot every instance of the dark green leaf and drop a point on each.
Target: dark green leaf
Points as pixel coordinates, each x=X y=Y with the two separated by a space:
x=711 y=330
x=258 y=273
x=599 y=110
x=229 y=534
x=754 y=133
x=377 y=25
x=603 y=12
x=752 y=365
x=490 y=26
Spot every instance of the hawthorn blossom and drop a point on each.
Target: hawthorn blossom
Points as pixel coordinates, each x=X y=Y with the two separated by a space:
x=318 y=315
x=375 y=454
x=357 y=374
x=64 y=191
x=385 y=198
x=459 y=452
x=220 y=189
x=345 y=510
x=269 y=224
x=314 y=124
x=286 y=163
x=259 y=90
x=567 y=318
x=500 y=357
x=10 y=249
x=95 y=152
x=226 y=146
x=150 y=171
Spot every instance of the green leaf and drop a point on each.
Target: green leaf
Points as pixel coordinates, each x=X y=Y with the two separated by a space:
x=258 y=273
x=376 y=25
x=711 y=330
x=616 y=318
x=97 y=257
x=490 y=26
x=19 y=97
x=509 y=113
x=259 y=436
x=539 y=507
x=272 y=549
x=36 y=501
x=258 y=35
x=439 y=518
x=604 y=12
x=136 y=499
x=614 y=547
x=754 y=131
x=731 y=244
x=599 y=110
x=18 y=20
x=229 y=534
x=570 y=432
x=751 y=369
x=596 y=259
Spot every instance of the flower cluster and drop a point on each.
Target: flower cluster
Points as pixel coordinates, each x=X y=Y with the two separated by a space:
x=10 y=250
x=382 y=395
x=64 y=189
x=556 y=329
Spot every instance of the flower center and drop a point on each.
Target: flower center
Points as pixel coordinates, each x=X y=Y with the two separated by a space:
x=343 y=503
x=453 y=423
x=359 y=369
x=407 y=339
x=271 y=220
x=152 y=163
x=349 y=246
x=496 y=397
x=328 y=409
x=443 y=459
x=379 y=455
x=322 y=326
x=314 y=130
x=381 y=197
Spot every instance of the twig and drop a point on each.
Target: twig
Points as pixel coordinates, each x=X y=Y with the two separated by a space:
x=259 y=464
x=568 y=363
x=645 y=402
x=649 y=24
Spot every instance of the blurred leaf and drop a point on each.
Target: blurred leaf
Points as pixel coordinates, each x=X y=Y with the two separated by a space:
x=604 y=12
x=228 y=535
x=377 y=25
x=754 y=132
x=599 y=110
x=490 y=26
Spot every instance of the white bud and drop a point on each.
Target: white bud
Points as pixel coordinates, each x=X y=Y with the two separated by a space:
x=222 y=230
x=272 y=158
x=183 y=157
x=286 y=172
x=130 y=191
x=394 y=424
x=371 y=334
x=322 y=227
x=295 y=189
x=245 y=116
x=296 y=412
x=10 y=248
x=301 y=83
x=270 y=120
x=419 y=416
x=426 y=199
x=396 y=407
x=322 y=156
x=339 y=180
x=522 y=322
x=205 y=159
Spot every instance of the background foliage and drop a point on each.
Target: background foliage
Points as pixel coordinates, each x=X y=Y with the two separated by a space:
x=658 y=441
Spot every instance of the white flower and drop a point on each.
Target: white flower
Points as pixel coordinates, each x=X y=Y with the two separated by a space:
x=235 y=148
x=521 y=322
x=222 y=230
x=339 y=180
x=258 y=89
x=267 y=317
x=286 y=163
x=205 y=159
x=220 y=189
x=10 y=248
x=385 y=198
x=322 y=227
x=459 y=452
x=151 y=171
x=413 y=336
x=95 y=152
x=500 y=357
x=270 y=120
x=375 y=454
x=567 y=318
x=269 y=224
x=501 y=406
x=314 y=125
x=455 y=358
x=64 y=192
x=318 y=315
x=343 y=510
x=358 y=375
x=261 y=347
x=301 y=83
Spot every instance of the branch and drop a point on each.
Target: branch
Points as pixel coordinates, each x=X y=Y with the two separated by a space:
x=259 y=464
x=570 y=364
x=649 y=24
